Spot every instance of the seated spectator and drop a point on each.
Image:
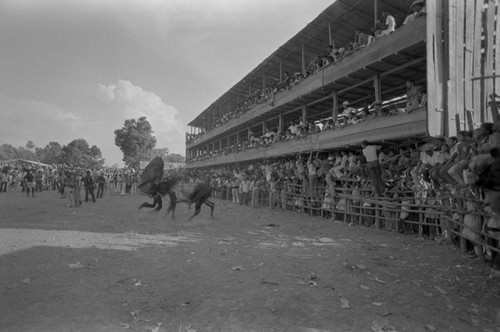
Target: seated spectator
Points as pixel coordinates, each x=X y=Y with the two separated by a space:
x=284 y=83
x=361 y=38
x=413 y=96
x=341 y=54
x=487 y=140
x=390 y=24
x=297 y=78
x=417 y=9
x=268 y=136
x=294 y=130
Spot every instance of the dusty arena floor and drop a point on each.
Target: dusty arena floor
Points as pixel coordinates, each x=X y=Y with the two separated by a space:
x=107 y=266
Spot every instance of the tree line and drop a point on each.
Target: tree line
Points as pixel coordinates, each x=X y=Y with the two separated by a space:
x=135 y=139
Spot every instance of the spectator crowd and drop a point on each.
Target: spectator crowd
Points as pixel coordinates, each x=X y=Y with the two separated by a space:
x=332 y=56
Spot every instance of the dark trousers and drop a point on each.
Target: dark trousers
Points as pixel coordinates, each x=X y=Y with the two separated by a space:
x=3 y=187
x=100 y=190
x=89 y=190
x=375 y=173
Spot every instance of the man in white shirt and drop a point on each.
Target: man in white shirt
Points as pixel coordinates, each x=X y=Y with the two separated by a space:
x=370 y=152
x=390 y=23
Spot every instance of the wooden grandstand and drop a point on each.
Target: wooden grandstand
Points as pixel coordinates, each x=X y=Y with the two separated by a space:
x=450 y=52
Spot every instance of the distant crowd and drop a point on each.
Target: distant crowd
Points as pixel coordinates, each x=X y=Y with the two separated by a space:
x=73 y=183
x=332 y=55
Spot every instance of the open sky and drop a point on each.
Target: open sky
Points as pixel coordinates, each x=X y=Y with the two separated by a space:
x=79 y=68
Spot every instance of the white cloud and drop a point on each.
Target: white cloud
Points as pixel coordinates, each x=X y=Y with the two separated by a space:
x=128 y=101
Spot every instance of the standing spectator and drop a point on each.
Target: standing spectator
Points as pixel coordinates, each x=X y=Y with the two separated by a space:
x=235 y=184
x=3 y=181
x=39 y=181
x=133 y=180
x=29 y=179
x=69 y=188
x=76 y=192
x=370 y=152
x=101 y=182
x=88 y=183
x=302 y=172
x=311 y=172
x=245 y=185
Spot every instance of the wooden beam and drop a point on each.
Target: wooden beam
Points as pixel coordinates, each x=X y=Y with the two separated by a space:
x=377 y=86
x=335 y=108
x=304 y=114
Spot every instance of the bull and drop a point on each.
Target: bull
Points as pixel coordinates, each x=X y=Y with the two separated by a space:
x=191 y=193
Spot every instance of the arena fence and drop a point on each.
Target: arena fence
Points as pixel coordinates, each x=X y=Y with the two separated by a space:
x=456 y=219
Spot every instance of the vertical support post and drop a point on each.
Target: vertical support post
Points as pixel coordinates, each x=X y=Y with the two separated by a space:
x=375 y=13
x=335 y=108
x=281 y=71
x=264 y=127
x=303 y=60
x=378 y=87
x=420 y=223
x=280 y=122
x=238 y=137
x=330 y=37
x=304 y=114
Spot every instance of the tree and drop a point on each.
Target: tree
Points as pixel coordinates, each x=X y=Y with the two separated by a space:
x=135 y=140
x=30 y=146
x=78 y=153
x=51 y=154
x=8 y=152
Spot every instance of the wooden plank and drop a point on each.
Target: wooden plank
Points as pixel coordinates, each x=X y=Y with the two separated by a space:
x=477 y=60
x=459 y=57
x=452 y=110
x=469 y=51
x=435 y=125
x=470 y=121
x=489 y=49
x=497 y=53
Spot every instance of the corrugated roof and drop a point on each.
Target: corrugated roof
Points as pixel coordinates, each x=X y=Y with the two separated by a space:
x=344 y=17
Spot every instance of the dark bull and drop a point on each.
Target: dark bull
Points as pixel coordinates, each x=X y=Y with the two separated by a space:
x=197 y=193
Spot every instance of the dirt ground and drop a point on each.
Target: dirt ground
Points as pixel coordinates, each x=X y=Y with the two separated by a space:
x=107 y=266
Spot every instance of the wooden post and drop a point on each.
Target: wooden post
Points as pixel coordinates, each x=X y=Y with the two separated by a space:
x=330 y=37
x=437 y=119
x=377 y=84
x=281 y=71
x=280 y=122
x=304 y=114
x=335 y=108
x=420 y=223
x=303 y=60
x=375 y=13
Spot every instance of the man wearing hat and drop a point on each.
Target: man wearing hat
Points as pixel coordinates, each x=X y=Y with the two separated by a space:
x=417 y=9
x=88 y=183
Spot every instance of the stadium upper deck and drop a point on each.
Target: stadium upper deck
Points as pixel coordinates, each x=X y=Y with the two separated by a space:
x=304 y=81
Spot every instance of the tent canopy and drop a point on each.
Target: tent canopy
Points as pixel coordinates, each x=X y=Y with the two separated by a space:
x=26 y=162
